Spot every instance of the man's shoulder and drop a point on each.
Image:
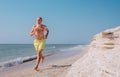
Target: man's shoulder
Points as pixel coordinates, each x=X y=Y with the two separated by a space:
x=44 y=25
x=34 y=26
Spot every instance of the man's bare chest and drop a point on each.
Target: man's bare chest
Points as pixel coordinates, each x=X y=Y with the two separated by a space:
x=39 y=29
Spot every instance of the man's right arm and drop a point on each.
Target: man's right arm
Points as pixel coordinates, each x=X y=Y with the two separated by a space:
x=32 y=32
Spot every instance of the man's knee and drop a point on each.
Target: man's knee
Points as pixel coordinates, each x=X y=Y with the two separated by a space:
x=40 y=50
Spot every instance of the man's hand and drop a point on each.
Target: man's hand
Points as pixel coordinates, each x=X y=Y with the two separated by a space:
x=32 y=32
x=45 y=36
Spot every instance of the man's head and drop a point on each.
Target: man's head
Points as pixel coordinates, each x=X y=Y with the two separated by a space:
x=39 y=20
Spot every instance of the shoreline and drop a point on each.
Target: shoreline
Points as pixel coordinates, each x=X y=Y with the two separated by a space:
x=50 y=50
x=58 y=61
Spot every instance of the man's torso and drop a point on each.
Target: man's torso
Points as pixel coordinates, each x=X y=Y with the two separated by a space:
x=39 y=32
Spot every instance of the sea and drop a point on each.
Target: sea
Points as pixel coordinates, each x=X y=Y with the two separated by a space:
x=13 y=54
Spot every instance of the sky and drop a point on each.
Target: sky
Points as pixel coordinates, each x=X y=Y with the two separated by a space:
x=69 y=21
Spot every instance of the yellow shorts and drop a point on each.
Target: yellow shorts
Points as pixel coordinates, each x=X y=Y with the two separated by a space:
x=39 y=44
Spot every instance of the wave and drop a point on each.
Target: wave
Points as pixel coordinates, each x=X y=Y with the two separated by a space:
x=78 y=47
x=17 y=61
x=51 y=47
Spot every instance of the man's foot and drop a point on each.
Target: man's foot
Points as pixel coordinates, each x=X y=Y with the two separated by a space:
x=36 y=69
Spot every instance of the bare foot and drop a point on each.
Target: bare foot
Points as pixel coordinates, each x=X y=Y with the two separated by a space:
x=36 y=69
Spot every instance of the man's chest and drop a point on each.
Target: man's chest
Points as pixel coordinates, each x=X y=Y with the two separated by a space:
x=39 y=29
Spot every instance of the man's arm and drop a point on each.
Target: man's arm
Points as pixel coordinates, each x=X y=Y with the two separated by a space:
x=32 y=32
x=47 y=30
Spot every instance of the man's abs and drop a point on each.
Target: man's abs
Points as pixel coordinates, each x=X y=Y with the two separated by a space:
x=39 y=36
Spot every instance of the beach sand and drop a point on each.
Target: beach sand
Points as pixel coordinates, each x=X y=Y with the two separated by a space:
x=54 y=66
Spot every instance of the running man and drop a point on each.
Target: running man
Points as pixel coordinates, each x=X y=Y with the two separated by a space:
x=39 y=43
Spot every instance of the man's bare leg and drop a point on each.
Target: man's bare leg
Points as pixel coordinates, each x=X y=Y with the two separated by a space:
x=39 y=57
x=43 y=57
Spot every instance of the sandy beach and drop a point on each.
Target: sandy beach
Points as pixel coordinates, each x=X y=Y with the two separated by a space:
x=54 y=66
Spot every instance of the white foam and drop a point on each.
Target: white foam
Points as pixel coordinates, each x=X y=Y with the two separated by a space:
x=16 y=61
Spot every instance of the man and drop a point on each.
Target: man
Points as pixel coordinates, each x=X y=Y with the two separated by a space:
x=39 y=42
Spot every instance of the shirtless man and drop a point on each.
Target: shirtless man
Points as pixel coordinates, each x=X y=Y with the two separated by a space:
x=39 y=42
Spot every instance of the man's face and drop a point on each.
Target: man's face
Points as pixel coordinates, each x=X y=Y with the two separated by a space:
x=39 y=20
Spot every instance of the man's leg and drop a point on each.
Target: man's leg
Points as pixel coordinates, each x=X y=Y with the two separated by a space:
x=42 y=59
x=39 y=57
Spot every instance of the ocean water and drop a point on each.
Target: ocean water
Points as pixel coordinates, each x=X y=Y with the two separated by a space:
x=12 y=54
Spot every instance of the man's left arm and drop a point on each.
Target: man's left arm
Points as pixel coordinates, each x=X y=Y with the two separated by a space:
x=47 y=30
